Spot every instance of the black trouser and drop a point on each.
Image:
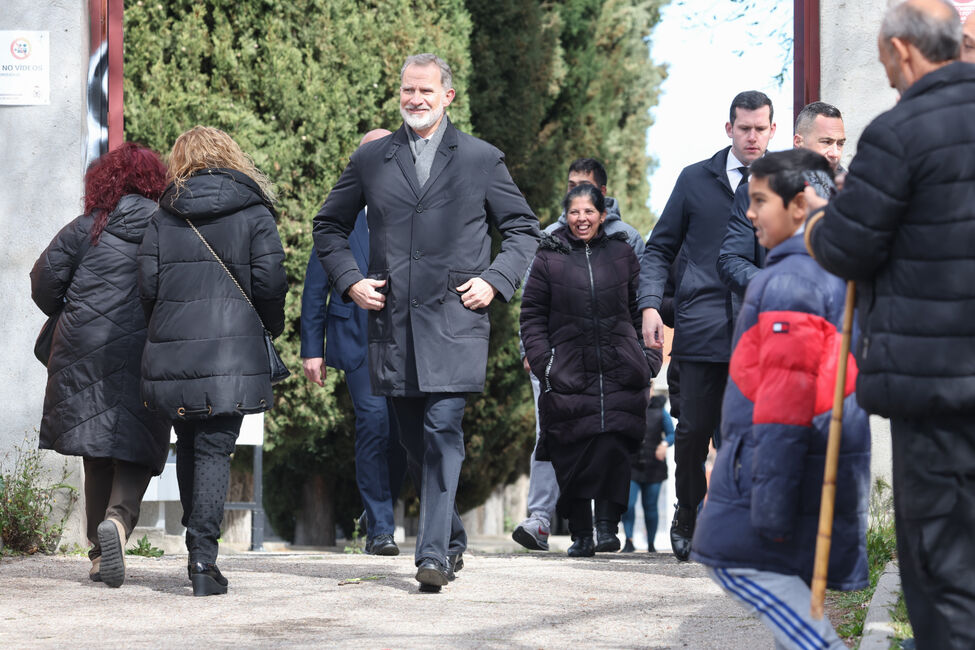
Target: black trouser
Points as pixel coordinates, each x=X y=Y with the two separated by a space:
x=581 y=511
x=934 y=505
x=430 y=430
x=113 y=488
x=701 y=392
x=203 y=449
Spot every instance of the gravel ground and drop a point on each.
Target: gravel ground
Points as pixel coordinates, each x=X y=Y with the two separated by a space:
x=516 y=600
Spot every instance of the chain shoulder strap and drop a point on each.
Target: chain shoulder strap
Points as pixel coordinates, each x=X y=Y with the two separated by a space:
x=224 y=266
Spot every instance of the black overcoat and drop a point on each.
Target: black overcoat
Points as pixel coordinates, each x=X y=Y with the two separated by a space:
x=692 y=226
x=425 y=242
x=205 y=351
x=92 y=406
x=581 y=329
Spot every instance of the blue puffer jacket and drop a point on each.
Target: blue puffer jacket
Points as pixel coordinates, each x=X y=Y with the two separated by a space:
x=762 y=510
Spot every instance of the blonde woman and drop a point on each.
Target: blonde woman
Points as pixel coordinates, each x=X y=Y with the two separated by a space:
x=205 y=364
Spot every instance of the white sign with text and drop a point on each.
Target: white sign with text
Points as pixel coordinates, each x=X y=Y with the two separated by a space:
x=25 y=67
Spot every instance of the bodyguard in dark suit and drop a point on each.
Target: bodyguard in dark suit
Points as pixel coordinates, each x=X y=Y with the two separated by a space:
x=380 y=460
x=693 y=225
x=432 y=192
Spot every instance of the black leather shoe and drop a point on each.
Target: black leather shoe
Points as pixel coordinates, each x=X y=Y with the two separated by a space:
x=382 y=545
x=431 y=575
x=455 y=563
x=682 y=531
x=207 y=580
x=582 y=546
x=628 y=547
x=606 y=539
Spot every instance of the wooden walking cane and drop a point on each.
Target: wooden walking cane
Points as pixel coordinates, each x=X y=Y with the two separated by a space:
x=825 y=535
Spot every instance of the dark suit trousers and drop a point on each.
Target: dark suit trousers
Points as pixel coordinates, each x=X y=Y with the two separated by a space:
x=203 y=449
x=934 y=507
x=380 y=460
x=430 y=429
x=701 y=392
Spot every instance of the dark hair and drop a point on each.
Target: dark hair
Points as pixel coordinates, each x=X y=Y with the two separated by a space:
x=938 y=37
x=809 y=113
x=784 y=170
x=750 y=100
x=130 y=168
x=587 y=190
x=590 y=166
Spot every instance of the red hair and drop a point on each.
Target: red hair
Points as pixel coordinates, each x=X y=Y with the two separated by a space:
x=130 y=168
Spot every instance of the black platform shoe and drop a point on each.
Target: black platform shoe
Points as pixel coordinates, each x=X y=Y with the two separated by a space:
x=207 y=580
x=582 y=546
x=682 y=531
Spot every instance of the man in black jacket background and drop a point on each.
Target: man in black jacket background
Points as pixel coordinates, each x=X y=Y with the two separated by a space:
x=693 y=224
x=903 y=227
x=819 y=128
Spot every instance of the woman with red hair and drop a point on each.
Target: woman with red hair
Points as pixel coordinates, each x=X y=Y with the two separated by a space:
x=92 y=405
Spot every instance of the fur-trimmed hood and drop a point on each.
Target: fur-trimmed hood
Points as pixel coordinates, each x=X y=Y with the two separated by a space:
x=561 y=240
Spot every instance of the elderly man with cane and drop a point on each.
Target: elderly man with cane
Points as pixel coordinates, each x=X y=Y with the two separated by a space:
x=903 y=229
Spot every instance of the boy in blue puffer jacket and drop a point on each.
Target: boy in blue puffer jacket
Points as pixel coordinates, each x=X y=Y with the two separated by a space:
x=757 y=531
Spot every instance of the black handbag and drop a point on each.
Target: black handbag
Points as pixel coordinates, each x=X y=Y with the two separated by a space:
x=278 y=371
x=45 y=338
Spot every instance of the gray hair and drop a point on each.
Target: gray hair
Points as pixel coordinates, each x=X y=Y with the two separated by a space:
x=810 y=112
x=937 y=36
x=446 y=77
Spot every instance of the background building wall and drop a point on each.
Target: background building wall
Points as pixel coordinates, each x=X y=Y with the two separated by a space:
x=42 y=183
x=852 y=78
x=855 y=82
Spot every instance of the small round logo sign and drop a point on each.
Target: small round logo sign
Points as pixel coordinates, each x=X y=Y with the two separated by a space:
x=20 y=48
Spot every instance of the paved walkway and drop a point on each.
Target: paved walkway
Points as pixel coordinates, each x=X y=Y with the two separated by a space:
x=514 y=600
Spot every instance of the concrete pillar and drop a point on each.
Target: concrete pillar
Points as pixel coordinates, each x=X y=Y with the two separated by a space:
x=42 y=185
x=855 y=82
x=852 y=78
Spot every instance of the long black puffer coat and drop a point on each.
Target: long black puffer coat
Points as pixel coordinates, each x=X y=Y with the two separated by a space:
x=205 y=351
x=581 y=329
x=92 y=406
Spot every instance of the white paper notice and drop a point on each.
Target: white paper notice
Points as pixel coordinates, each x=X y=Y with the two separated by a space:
x=25 y=67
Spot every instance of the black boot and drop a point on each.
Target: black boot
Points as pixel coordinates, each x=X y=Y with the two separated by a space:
x=607 y=520
x=582 y=546
x=207 y=580
x=682 y=530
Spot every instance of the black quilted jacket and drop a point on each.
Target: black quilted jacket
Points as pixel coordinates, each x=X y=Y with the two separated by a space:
x=205 y=351
x=92 y=405
x=580 y=325
x=904 y=228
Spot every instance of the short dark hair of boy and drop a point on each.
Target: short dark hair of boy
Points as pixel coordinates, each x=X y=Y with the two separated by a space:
x=810 y=112
x=750 y=100
x=590 y=166
x=784 y=169
x=588 y=191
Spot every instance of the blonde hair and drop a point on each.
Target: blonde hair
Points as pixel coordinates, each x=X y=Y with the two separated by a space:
x=204 y=147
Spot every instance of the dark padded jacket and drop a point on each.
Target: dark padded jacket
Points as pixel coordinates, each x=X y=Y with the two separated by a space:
x=92 y=406
x=692 y=226
x=581 y=330
x=205 y=351
x=903 y=227
x=763 y=501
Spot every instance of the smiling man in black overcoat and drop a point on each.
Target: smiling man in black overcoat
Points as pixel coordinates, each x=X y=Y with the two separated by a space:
x=433 y=193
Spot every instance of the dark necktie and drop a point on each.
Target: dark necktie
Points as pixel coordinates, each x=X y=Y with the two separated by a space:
x=744 y=174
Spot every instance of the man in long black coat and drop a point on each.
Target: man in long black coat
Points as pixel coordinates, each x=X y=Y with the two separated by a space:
x=693 y=225
x=903 y=227
x=432 y=192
